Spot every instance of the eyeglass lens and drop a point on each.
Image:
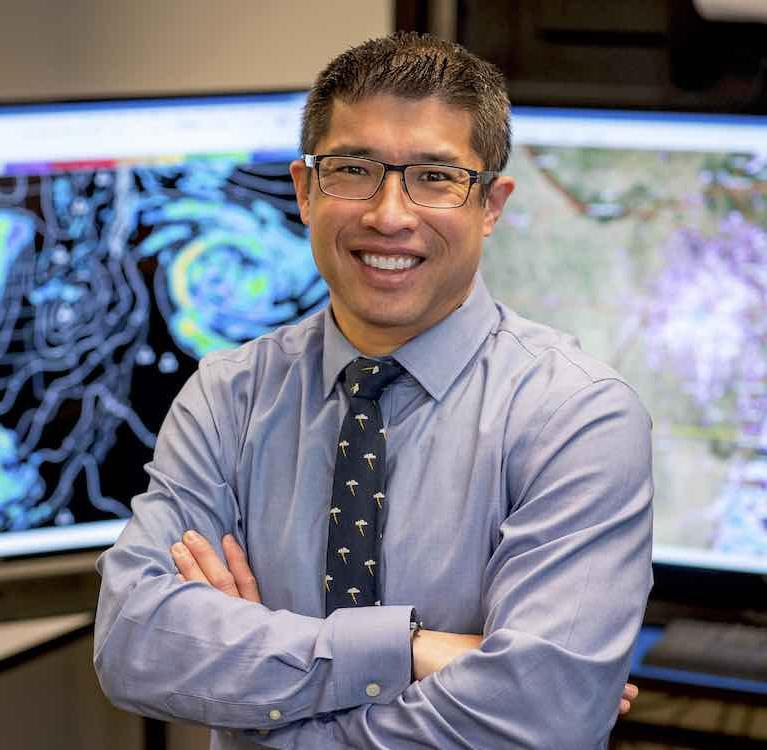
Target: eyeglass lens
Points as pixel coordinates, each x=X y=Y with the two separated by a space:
x=431 y=185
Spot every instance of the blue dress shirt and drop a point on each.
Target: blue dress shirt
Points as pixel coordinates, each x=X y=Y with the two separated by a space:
x=518 y=506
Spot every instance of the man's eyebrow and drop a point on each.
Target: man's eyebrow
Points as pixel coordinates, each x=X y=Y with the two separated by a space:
x=437 y=157
x=422 y=157
x=345 y=149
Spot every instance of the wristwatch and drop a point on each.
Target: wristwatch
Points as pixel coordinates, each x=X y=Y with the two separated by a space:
x=416 y=625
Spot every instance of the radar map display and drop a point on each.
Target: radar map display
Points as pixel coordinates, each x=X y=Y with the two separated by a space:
x=657 y=261
x=113 y=282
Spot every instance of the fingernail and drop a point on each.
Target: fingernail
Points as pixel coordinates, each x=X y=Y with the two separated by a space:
x=191 y=536
x=178 y=549
x=228 y=538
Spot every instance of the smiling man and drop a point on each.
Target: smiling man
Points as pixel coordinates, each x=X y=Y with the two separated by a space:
x=431 y=516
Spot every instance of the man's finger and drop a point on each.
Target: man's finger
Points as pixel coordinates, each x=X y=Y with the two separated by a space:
x=188 y=569
x=211 y=565
x=237 y=561
x=630 y=691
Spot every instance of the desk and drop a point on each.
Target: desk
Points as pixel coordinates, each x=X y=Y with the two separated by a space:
x=676 y=683
x=21 y=640
x=46 y=662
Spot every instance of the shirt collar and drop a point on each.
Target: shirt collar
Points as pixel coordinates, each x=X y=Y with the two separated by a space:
x=435 y=357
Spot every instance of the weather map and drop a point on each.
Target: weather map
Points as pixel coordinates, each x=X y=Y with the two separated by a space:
x=113 y=283
x=657 y=261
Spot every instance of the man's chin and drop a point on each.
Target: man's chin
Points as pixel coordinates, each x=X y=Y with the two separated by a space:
x=392 y=319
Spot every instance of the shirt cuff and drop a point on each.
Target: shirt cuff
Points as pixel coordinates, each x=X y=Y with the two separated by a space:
x=371 y=654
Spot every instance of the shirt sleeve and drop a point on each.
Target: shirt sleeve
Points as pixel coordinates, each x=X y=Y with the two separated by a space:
x=563 y=599
x=172 y=649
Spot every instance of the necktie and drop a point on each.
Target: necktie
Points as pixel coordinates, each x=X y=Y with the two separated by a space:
x=357 y=502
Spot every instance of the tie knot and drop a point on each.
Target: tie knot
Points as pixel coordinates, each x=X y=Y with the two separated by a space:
x=367 y=378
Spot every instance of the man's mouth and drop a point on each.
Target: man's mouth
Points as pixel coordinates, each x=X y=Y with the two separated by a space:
x=390 y=262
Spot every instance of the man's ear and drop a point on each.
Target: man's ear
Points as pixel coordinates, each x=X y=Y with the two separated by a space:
x=301 y=184
x=497 y=194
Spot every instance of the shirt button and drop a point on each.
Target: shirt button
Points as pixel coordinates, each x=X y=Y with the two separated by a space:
x=373 y=690
x=275 y=714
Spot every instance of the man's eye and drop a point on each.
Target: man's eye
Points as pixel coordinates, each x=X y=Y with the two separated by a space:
x=435 y=175
x=352 y=169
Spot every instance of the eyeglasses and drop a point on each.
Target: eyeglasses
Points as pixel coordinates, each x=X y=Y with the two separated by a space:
x=429 y=185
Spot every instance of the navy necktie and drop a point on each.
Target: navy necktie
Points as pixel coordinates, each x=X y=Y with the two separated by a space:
x=359 y=494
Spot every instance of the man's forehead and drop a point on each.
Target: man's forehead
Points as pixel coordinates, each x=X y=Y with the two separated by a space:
x=359 y=148
x=427 y=129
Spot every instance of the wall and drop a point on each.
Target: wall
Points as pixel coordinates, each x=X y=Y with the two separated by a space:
x=82 y=48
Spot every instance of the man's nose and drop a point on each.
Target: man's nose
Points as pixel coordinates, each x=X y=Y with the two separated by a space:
x=390 y=209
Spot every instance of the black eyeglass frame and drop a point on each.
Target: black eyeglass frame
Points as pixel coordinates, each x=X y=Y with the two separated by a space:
x=312 y=161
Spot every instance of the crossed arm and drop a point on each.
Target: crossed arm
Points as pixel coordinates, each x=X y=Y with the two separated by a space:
x=433 y=650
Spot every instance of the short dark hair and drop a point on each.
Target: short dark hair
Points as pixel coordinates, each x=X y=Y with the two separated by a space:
x=415 y=66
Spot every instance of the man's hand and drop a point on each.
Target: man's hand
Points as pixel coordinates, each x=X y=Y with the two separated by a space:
x=196 y=560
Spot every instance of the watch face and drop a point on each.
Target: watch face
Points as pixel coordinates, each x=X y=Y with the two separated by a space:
x=415 y=622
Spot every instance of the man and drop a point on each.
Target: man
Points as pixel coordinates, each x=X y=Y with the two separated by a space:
x=513 y=512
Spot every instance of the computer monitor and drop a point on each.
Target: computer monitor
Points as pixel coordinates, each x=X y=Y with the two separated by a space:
x=135 y=236
x=645 y=235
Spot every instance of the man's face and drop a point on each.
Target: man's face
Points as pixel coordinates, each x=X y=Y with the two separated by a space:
x=379 y=309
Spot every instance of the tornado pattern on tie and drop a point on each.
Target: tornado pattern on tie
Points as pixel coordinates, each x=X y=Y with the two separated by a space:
x=359 y=493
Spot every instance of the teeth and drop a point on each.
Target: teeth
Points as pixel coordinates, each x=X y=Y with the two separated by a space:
x=390 y=262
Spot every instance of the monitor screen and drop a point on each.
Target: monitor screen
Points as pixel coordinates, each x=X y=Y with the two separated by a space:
x=645 y=235
x=136 y=236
